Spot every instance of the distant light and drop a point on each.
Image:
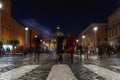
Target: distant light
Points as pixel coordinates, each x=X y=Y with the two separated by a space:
x=77 y=40
x=43 y=42
x=8 y=46
x=83 y=36
x=111 y=43
x=46 y=44
x=35 y=36
x=40 y=40
x=73 y=42
x=58 y=27
x=26 y=28
x=95 y=28
x=0 y=5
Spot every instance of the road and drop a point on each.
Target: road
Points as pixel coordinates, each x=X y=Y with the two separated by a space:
x=25 y=68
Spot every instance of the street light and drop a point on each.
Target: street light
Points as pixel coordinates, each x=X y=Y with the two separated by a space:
x=77 y=44
x=95 y=30
x=83 y=36
x=83 y=44
x=77 y=40
x=36 y=36
x=0 y=22
x=26 y=36
x=1 y=5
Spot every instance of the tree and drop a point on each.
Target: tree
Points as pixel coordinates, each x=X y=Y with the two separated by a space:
x=14 y=42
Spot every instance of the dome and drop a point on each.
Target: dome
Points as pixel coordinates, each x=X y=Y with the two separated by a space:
x=58 y=33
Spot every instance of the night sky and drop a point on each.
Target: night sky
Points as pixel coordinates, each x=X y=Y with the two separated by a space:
x=71 y=15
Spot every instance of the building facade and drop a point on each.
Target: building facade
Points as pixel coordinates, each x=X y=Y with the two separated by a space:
x=11 y=29
x=58 y=33
x=91 y=38
x=114 y=28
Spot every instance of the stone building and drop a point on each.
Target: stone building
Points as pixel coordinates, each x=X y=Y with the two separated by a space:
x=58 y=33
x=92 y=38
x=10 y=28
x=114 y=28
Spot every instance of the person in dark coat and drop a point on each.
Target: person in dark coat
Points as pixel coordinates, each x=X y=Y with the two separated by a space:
x=60 y=48
x=37 y=48
x=80 y=49
x=109 y=51
x=37 y=53
x=71 y=52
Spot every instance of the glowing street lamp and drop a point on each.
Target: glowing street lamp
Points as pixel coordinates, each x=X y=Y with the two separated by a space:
x=95 y=30
x=83 y=44
x=77 y=43
x=77 y=40
x=83 y=36
x=26 y=28
x=26 y=36
x=36 y=36
x=0 y=22
x=1 y=5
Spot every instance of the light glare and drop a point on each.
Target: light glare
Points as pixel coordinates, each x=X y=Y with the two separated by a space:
x=26 y=28
x=83 y=36
x=95 y=28
x=0 y=5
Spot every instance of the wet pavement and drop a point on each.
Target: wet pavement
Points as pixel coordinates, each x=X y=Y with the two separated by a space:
x=80 y=66
x=14 y=62
x=83 y=73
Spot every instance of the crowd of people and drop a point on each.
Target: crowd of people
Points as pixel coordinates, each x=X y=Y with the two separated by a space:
x=70 y=50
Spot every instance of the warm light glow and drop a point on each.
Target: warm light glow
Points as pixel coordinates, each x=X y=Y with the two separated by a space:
x=77 y=40
x=26 y=28
x=58 y=27
x=83 y=36
x=95 y=28
x=73 y=42
x=43 y=42
x=7 y=47
x=40 y=40
x=0 y=5
x=35 y=36
x=111 y=43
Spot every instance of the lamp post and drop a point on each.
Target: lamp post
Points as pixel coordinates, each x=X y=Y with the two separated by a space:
x=26 y=36
x=83 y=37
x=36 y=36
x=77 y=40
x=1 y=21
x=95 y=30
x=83 y=43
x=77 y=44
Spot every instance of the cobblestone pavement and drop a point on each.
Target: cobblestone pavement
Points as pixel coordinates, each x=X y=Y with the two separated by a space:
x=83 y=73
x=39 y=73
x=8 y=63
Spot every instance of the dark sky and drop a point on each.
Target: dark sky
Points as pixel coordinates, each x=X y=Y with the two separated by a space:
x=71 y=15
